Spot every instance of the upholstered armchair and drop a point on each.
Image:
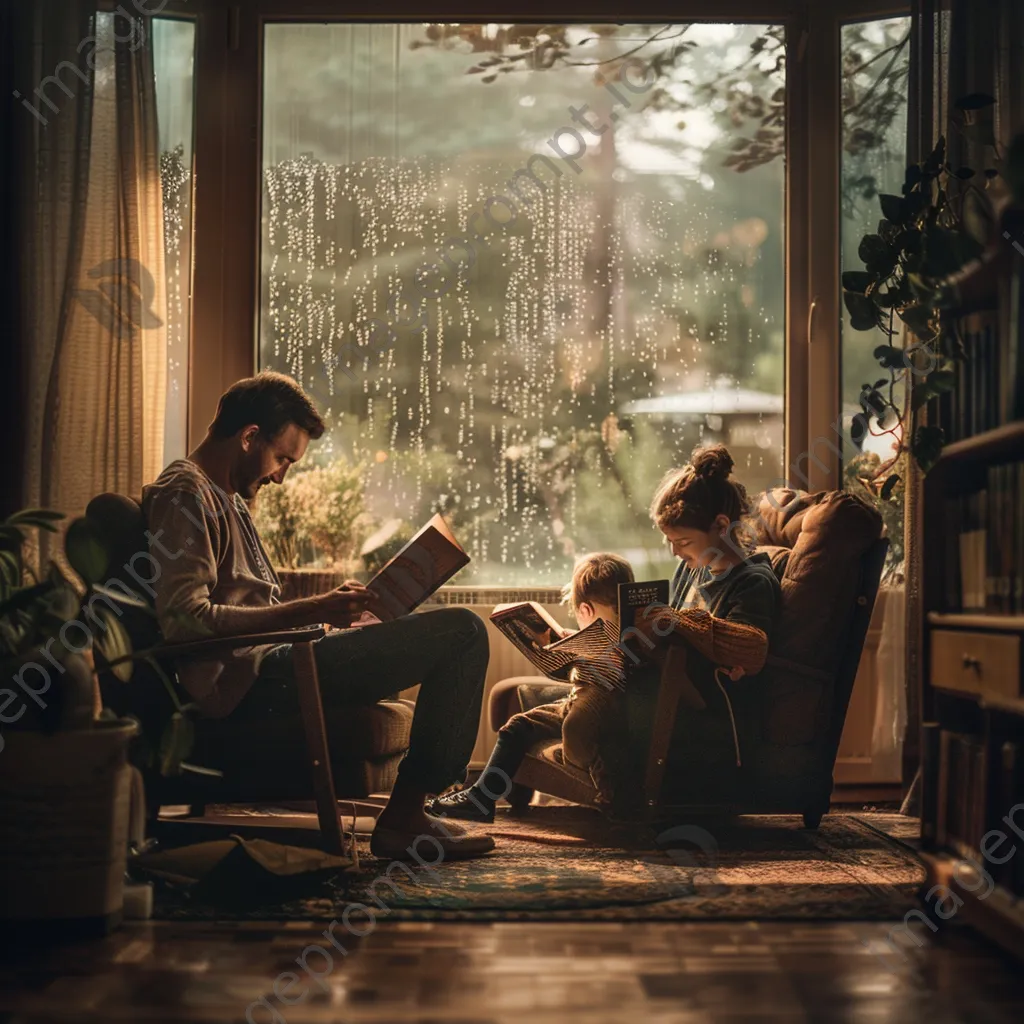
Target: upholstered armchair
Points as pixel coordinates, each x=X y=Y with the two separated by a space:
x=828 y=552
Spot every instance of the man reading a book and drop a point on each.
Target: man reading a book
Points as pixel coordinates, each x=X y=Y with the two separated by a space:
x=213 y=576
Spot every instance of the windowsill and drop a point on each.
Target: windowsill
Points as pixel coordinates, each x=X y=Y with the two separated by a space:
x=307 y=581
x=492 y=595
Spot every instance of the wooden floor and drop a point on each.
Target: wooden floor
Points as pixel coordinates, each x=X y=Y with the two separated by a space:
x=539 y=973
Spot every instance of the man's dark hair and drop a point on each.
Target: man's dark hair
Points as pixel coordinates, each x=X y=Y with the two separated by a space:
x=271 y=401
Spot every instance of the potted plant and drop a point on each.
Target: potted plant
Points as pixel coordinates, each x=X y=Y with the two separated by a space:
x=312 y=525
x=939 y=251
x=65 y=780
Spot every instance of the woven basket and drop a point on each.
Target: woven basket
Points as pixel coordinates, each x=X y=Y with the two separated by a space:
x=64 y=808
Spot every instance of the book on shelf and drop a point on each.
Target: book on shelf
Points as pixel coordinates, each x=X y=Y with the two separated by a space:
x=430 y=559
x=989 y=388
x=975 y=404
x=942 y=787
x=961 y=792
x=984 y=545
x=1011 y=368
x=962 y=811
x=1008 y=789
x=931 y=736
x=548 y=646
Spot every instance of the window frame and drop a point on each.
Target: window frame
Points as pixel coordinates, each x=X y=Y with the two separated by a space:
x=224 y=335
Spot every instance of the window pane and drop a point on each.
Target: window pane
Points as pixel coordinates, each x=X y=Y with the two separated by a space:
x=173 y=52
x=876 y=60
x=603 y=256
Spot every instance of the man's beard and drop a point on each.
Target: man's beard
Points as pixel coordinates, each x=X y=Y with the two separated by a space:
x=254 y=488
x=251 y=488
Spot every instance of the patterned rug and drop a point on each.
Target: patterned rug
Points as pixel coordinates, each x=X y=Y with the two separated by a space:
x=568 y=863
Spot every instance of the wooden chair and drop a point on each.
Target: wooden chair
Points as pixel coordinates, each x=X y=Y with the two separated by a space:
x=308 y=686
x=145 y=697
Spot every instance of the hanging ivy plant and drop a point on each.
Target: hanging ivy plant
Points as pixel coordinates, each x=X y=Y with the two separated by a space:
x=926 y=236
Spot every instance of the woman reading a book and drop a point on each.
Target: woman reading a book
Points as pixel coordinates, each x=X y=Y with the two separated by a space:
x=723 y=598
x=722 y=607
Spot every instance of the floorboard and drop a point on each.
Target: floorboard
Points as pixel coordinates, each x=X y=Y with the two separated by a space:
x=498 y=973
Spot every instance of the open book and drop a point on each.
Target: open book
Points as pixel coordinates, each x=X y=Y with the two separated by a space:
x=427 y=562
x=547 y=645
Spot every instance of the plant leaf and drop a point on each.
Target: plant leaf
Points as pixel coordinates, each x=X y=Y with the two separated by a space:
x=36 y=515
x=887 y=488
x=889 y=356
x=122 y=598
x=114 y=643
x=878 y=256
x=10 y=566
x=176 y=743
x=920 y=320
x=914 y=204
x=936 y=158
x=197 y=769
x=85 y=550
x=863 y=313
x=858 y=281
x=926 y=446
x=937 y=382
x=893 y=208
x=64 y=603
x=23 y=597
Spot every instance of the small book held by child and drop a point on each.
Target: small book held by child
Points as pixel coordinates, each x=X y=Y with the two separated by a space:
x=426 y=563
x=548 y=646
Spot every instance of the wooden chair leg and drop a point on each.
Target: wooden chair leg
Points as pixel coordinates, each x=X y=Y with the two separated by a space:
x=670 y=689
x=308 y=685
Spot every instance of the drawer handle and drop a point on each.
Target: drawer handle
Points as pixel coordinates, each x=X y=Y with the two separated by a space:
x=972 y=663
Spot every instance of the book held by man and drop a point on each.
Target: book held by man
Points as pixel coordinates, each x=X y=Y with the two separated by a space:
x=427 y=562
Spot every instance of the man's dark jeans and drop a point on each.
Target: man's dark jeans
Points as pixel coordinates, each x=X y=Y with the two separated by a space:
x=445 y=651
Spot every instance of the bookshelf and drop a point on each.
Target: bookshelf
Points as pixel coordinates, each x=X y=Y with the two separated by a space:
x=972 y=735
x=972 y=589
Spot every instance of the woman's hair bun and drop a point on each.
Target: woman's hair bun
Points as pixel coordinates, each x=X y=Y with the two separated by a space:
x=712 y=462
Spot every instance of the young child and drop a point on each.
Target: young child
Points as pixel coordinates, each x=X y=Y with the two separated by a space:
x=581 y=719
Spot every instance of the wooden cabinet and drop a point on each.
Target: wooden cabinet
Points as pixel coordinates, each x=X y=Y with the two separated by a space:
x=972 y=729
x=983 y=664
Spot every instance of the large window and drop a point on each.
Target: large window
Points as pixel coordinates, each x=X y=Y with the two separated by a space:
x=173 y=57
x=523 y=276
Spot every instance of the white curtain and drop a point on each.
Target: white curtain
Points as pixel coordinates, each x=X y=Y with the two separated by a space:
x=96 y=292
